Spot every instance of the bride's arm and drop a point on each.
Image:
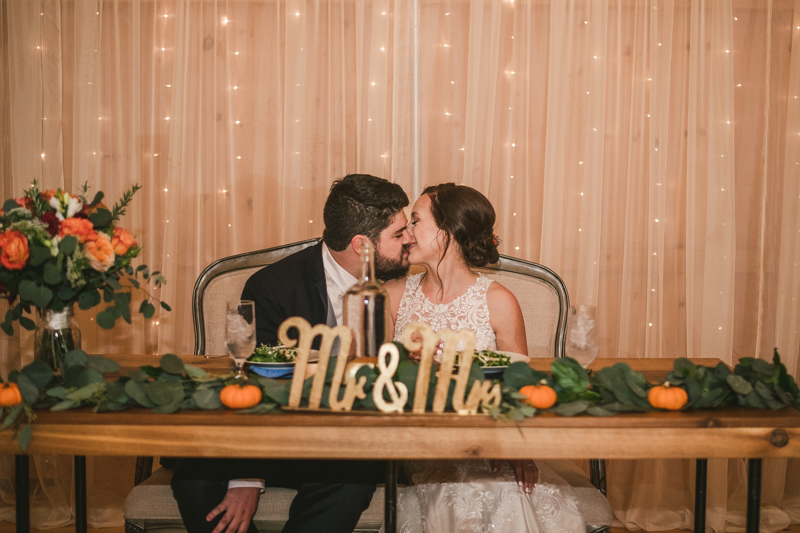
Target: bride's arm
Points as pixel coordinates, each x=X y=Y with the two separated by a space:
x=505 y=317
x=395 y=290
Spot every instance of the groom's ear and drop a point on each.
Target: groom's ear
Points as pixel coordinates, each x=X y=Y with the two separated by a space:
x=355 y=243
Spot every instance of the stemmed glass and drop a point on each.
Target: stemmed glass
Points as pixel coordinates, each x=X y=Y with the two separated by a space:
x=581 y=344
x=240 y=332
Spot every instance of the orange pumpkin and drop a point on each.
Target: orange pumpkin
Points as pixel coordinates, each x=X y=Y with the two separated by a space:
x=240 y=396
x=540 y=396
x=666 y=397
x=10 y=395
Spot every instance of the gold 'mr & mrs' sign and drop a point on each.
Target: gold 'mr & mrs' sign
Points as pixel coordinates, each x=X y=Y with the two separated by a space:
x=417 y=337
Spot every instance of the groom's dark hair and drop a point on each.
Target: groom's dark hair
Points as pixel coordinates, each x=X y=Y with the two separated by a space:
x=360 y=204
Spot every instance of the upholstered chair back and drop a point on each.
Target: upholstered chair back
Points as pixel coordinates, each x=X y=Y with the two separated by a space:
x=540 y=292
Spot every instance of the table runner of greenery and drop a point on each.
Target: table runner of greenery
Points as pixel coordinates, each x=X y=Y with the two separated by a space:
x=174 y=386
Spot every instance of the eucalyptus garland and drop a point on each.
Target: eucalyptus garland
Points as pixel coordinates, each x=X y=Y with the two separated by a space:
x=174 y=386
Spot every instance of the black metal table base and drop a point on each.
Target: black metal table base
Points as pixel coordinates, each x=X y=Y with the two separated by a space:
x=22 y=490
x=390 y=498
x=753 y=495
x=80 y=493
x=700 y=496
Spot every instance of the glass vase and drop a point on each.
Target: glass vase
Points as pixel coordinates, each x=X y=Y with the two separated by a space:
x=57 y=333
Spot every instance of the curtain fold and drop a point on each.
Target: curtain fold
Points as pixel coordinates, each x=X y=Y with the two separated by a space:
x=646 y=150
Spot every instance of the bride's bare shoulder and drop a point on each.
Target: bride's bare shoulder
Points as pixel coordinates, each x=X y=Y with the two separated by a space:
x=499 y=296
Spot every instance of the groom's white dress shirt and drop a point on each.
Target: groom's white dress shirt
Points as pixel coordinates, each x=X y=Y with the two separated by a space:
x=337 y=281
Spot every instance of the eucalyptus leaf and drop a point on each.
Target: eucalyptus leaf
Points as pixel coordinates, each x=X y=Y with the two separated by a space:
x=12 y=416
x=113 y=283
x=207 y=399
x=571 y=408
x=57 y=392
x=517 y=375
x=39 y=373
x=29 y=391
x=27 y=323
x=24 y=437
x=258 y=409
x=76 y=358
x=683 y=367
x=762 y=367
x=754 y=400
x=172 y=363
x=103 y=364
x=162 y=392
x=64 y=405
x=52 y=276
x=27 y=290
x=67 y=245
x=527 y=410
x=116 y=392
x=39 y=254
x=140 y=376
x=10 y=205
x=194 y=372
x=168 y=408
x=86 y=392
x=42 y=297
x=87 y=300
x=277 y=390
x=596 y=410
x=106 y=319
x=165 y=306
x=136 y=391
x=65 y=293
x=97 y=198
x=100 y=218
x=739 y=384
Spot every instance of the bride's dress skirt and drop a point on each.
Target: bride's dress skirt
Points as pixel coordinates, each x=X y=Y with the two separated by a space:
x=466 y=497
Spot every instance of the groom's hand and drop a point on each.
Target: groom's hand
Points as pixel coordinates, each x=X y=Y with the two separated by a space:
x=239 y=506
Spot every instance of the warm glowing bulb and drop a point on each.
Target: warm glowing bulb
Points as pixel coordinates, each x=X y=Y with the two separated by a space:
x=236 y=53
x=383 y=48
x=580 y=162
x=42 y=155
x=516 y=248
x=446 y=113
x=165 y=189
x=224 y=20
x=373 y=83
x=513 y=145
x=167 y=118
x=237 y=121
x=447 y=46
x=727 y=51
x=238 y=157
x=235 y=86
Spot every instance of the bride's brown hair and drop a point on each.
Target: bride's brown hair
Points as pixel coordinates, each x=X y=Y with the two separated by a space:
x=466 y=216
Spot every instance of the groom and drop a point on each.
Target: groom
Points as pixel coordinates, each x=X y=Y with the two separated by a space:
x=331 y=495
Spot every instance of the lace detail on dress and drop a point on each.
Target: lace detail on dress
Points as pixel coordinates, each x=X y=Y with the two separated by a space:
x=468 y=311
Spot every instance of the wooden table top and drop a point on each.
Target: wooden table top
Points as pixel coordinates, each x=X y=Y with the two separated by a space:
x=730 y=432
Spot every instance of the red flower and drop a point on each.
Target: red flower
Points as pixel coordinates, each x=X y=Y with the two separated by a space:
x=50 y=220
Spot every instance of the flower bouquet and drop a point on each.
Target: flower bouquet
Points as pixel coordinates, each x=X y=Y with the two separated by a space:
x=57 y=249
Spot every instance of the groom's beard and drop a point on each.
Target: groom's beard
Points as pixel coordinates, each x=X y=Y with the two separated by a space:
x=387 y=268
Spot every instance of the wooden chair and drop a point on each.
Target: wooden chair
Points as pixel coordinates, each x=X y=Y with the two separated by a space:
x=544 y=301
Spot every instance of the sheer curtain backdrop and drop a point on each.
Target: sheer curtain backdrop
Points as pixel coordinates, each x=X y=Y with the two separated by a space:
x=646 y=150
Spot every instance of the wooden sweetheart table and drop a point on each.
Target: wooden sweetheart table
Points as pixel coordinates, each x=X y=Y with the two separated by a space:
x=726 y=433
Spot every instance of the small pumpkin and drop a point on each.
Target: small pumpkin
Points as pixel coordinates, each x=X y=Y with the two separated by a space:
x=10 y=395
x=540 y=396
x=240 y=396
x=666 y=397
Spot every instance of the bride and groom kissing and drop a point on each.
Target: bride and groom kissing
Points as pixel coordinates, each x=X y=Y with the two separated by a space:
x=451 y=231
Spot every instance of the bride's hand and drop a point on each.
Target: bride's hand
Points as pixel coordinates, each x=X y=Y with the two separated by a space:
x=525 y=472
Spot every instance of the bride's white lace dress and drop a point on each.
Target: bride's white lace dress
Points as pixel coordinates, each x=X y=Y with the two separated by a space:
x=465 y=496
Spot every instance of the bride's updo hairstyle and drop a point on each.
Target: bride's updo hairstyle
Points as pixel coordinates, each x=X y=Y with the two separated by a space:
x=466 y=216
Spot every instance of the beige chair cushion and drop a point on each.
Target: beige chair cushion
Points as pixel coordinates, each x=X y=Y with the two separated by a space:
x=150 y=505
x=222 y=288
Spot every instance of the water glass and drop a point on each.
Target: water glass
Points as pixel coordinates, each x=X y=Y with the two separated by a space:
x=240 y=332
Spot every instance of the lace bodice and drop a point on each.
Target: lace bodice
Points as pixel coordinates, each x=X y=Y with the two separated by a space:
x=468 y=311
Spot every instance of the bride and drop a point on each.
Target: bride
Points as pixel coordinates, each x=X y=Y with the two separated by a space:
x=452 y=231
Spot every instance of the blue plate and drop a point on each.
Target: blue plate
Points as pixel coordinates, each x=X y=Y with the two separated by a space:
x=273 y=370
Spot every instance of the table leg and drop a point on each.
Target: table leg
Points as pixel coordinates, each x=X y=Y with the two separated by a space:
x=22 y=492
x=753 y=495
x=390 y=498
x=80 y=494
x=700 y=482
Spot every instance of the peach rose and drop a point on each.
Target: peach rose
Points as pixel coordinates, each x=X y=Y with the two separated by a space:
x=78 y=227
x=122 y=241
x=99 y=252
x=15 y=251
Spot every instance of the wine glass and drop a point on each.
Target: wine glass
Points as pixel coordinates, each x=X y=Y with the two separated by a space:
x=581 y=344
x=240 y=332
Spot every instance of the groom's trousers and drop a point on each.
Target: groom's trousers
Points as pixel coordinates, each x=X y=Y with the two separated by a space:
x=331 y=495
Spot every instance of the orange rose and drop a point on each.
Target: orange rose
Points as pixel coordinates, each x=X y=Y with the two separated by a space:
x=78 y=227
x=99 y=252
x=122 y=241
x=49 y=193
x=15 y=251
x=88 y=210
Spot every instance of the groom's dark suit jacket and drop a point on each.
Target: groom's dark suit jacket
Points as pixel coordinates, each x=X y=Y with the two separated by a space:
x=293 y=286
